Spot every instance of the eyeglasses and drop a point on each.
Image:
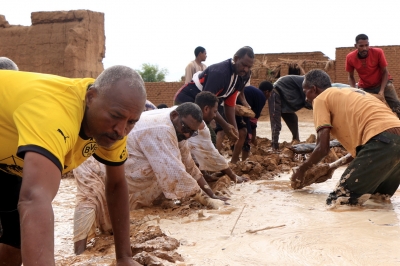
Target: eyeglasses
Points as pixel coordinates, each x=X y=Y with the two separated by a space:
x=186 y=129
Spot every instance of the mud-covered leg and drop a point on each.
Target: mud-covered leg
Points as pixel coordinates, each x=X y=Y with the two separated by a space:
x=375 y=166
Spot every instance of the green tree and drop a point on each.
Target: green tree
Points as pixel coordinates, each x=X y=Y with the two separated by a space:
x=151 y=73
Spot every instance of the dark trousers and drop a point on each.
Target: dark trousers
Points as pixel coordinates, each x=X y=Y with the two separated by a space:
x=275 y=115
x=376 y=169
x=10 y=186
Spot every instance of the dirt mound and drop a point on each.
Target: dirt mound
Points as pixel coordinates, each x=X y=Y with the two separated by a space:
x=152 y=247
x=264 y=163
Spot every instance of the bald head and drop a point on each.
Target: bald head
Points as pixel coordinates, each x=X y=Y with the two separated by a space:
x=8 y=64
x=115 y=74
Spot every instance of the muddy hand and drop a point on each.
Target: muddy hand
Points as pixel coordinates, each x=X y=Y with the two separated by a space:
x=204 y=199
x=232 y=134
x=297 y=179
x=223 y=198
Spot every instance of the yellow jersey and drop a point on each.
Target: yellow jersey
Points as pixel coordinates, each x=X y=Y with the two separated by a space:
x=43 y=113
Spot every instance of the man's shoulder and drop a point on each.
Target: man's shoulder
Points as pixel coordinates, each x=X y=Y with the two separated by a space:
x=251 y=90
x=154 y=119
x=223 y=66
x=290 y=80
x=377 y=51
x=352 y=54
x=190 y=64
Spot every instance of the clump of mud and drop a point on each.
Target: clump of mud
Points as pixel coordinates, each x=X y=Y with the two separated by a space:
x=152 y=247
x=264 y=163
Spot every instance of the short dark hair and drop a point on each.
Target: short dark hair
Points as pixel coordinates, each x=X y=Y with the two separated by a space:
x=266 y=86
x=8 y=64
x=317 y=78
x=206 y=98
x=361 y=37
x=162 y=105
x=245 y=50
x=192 y=109
x=198 y=50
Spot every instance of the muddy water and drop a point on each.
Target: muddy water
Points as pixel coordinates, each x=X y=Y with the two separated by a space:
x=305 y=130
x=306 y=231
x=312 y=234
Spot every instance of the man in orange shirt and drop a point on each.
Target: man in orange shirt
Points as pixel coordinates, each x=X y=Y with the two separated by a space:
x=366 y=128
x=371 y=64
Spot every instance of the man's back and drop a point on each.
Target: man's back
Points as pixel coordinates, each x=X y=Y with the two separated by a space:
x=42 y=112
x=353 y=115
x=291 y=91
x=217 y=78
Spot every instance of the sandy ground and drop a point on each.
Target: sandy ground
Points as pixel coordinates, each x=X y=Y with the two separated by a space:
x=297 y=228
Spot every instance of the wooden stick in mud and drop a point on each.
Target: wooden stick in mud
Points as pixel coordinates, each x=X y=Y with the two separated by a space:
x=265 y=228
x=233 y=228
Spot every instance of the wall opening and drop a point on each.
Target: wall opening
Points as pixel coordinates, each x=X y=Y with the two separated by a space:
x=294 y=71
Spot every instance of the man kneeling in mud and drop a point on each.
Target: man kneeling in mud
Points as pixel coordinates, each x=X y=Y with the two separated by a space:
x=366 y=128
x=159 y=165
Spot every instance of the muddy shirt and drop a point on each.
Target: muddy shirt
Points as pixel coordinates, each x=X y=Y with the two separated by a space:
x=43 y=113
x=154 y=151
x=353 y=115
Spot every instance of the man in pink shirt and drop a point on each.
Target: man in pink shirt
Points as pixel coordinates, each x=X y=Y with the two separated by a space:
x=371 y=64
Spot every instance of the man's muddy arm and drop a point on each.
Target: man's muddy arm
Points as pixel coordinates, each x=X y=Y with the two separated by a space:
x=385 y=78
x=206 y=188
x=320 y=151
x=41 y=180
x=352 y=80
x=118 y=206
x=229 y=129
x=242 y=99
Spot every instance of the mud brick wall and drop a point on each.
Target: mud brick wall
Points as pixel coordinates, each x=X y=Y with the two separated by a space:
x=307 y=66
x=65 y=43
x=392 y=53
x=319 y=56
x=162 y=92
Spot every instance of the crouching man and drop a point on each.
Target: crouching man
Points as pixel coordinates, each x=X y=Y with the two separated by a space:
x=366 y=128
x=159 y=164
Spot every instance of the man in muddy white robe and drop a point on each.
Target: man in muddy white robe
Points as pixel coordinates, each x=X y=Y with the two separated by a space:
x=159 y=163
x=201 y=146
x=366 y=128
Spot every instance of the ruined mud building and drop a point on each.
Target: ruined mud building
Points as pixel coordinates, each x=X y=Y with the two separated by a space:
x=72 y=44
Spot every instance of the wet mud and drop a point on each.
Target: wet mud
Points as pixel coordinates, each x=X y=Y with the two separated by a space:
x=266 y=223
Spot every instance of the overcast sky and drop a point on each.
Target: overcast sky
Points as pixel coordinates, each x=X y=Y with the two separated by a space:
x=167 y=32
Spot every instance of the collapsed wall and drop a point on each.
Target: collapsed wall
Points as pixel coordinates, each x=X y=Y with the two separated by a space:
x=65 y=43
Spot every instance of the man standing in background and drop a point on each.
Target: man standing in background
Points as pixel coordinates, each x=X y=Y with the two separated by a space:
x=371 y=64
x=196 y=65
